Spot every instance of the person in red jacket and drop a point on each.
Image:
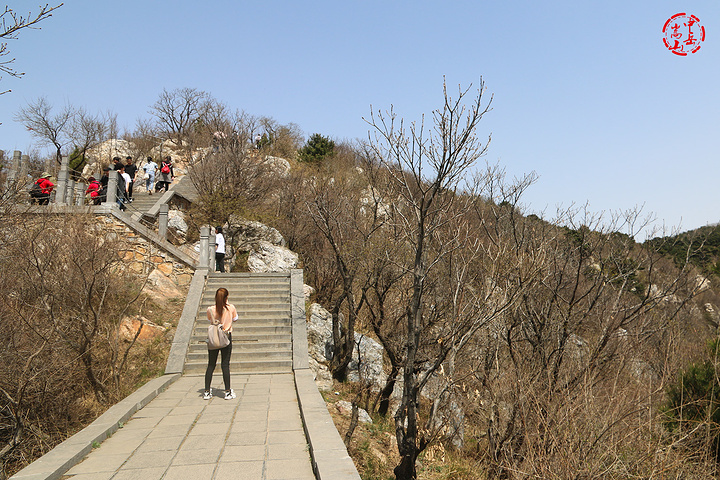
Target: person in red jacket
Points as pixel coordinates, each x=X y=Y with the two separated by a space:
x=93 y=191
x=41 y=189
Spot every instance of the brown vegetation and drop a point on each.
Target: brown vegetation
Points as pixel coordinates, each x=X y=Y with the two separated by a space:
x=517 y=346
x=63 y=360
x=525 y=348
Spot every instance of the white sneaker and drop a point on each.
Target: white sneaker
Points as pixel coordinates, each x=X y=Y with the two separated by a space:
x=230 y=395
x=207 y=395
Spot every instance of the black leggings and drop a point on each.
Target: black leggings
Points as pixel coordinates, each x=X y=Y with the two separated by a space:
x=224 y=365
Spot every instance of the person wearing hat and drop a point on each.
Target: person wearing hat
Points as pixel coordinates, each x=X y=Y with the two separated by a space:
x=41 y=189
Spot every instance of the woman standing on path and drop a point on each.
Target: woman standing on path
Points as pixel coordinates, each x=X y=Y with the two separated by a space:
x=223 y=313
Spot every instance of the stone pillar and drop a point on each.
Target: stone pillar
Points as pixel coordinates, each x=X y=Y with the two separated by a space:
x=61 y=194
x=211 y=249
x=112 y=188
x=299 y=324
x=163 y=220
x=14 y=167
x=70 y=192
x=24 y=162
x=80 y=188
x=204 y=234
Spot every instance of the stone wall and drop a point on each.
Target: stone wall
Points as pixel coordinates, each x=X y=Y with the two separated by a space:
x=143 y=256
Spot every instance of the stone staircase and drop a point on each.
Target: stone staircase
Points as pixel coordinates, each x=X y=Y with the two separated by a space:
x=262 y=341
x=142 y=202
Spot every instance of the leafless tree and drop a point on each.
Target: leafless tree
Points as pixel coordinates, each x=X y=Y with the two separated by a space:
x=428 y=168
x=58 y=342
x=88 y=130
x=593 y=298
x=11 y=24
x=45 y=125
x=278 y=140
x=144 y=138
x=229 y=184
x=342 y=208
x=178 y=112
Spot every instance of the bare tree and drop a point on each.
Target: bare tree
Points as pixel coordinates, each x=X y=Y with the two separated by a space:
x=593 y=298
x=11 y=24
x=143 y=139
x=428 y=168
x=58 y=342
x=86 y=131
x=229 y=184
x=45 y=125
x=350 y=227
x=179 y=112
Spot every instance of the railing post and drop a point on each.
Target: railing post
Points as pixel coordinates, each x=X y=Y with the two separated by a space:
x=24 y=162
x=163 y=220
x=211 y=250
x=61 y=194
x=80 y=193
x=204 y=234
x=14 y=167
x=112 y=188
x=70 y=192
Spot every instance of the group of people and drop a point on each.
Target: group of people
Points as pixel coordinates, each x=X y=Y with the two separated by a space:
x=96 y=191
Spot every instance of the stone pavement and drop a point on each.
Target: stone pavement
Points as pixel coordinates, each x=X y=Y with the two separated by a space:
x=178 y=435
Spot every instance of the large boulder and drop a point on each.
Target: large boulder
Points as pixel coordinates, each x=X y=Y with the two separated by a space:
x=246 y=233
x=319 y=333
x=176 y=222
x=113 y=147
x=367 y=358
x=321 y=375
x=344 y=408
x=266 y=257
x=161 y=286
x=129 y=328
x=279 y=166
x=367 y=361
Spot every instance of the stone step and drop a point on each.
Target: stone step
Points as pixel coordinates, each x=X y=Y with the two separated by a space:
x=246 y=346
x=259 y=315
x=246 y=297
x=200 y=335
x=244 y=277
x=264 y=289
x=280 y=275
x=248 y=330
x=262 y=337
x=242 y=367
x=219 y=281
x=251 y=306
x=242 y=356
x=248 y=315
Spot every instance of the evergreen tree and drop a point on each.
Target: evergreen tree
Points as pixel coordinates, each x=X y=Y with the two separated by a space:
x=317 y=149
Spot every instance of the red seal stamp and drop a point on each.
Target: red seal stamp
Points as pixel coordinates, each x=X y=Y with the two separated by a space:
x=683 y=34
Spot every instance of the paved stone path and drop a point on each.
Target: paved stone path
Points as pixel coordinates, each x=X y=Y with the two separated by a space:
x=178 y=435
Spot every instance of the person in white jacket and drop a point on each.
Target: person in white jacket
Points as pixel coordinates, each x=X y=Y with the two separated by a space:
x=219 y=250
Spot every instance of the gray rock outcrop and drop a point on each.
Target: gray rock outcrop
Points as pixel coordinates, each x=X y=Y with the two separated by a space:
x=247 y=233
x=367 y=359
x=266 y=257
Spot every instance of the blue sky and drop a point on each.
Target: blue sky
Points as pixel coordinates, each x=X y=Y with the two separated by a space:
x=585 y=93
